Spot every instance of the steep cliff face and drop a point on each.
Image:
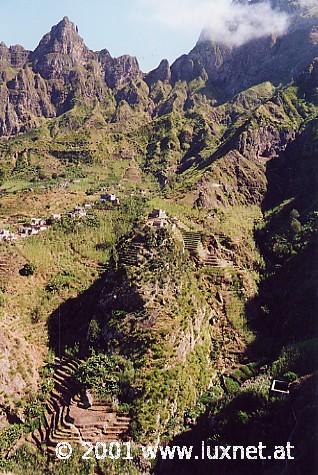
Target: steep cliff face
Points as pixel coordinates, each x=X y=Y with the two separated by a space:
x=24 y=101
x=308 y=82
x=161 y=73
x=15 y=56
x=60 y=50
x=121 y=70
x=61 y=72
x=265 y=59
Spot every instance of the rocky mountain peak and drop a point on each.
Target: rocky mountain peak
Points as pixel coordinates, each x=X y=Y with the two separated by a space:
x=229 y=69
x=15 y=56
x=119 y=71
x=63 y=39
x=161 y=73
x=62 y=70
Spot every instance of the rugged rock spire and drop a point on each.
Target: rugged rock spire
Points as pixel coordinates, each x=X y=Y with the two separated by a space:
x=62 y=71
x=61 y=48
x=62 y=39
x=161 y=73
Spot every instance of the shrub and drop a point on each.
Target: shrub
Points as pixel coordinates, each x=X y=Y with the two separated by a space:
x=33 y=413
x=238 y=376
x=243 y=417
x=300 y=358
x=61 y=281
x=67 y=224
x=258 y=387
x=211 y=396
x=107 y=375
x=231 y=386
x=92 y=221
x=27 y=270
x=73 y=351
x=47 y=387
x=290 y=376
x=8 y=437
x=94 y=332
x=248 y=370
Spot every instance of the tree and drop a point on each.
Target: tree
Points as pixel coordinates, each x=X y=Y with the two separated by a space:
x=94 y=332
x=2 y=177
x=294 y=214
x=295 y=226
x=107 y=375
x=27 y=270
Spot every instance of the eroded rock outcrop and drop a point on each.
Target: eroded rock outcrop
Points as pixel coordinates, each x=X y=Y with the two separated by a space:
x=63 y=72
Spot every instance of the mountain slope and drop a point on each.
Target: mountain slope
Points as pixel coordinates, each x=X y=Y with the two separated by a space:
x=199 y=310
x=63 y=72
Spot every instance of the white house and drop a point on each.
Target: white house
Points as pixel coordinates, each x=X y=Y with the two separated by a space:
x=158 y=218
x=37 y=222
x=158 y=214
x=78 y=212
x=109 y=198
x=26 y=231
x=4 y=234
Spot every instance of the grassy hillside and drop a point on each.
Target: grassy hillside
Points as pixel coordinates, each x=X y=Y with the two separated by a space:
x=192 y=341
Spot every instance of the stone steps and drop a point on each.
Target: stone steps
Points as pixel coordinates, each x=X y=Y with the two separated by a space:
x=100 y=408
x=99 y=422
x=89 y=425
x=54 y=426
x=192 y=240
x=123 y=418
x=214 y=261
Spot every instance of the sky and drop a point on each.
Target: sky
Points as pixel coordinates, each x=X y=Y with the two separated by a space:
x=149 y=29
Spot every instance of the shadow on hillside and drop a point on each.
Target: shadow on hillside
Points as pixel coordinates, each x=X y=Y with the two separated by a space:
x=284 y=312
x=294 y=173
x=292 y=419
x=69 y=324
x=286 y=306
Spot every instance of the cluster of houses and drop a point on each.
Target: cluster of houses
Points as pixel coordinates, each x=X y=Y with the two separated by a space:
x=37 y=225
x=6 y=235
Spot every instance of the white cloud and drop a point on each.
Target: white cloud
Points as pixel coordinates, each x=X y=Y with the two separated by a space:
x=229 y=23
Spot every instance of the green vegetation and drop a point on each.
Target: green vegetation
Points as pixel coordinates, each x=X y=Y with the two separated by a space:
x=166 y=335
x=107 y=376
x=27 y=270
